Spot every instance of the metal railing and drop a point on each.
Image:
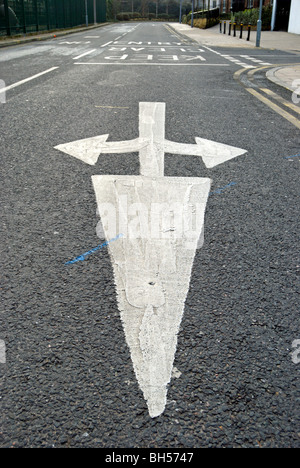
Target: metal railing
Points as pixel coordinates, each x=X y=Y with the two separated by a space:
x=27 y=16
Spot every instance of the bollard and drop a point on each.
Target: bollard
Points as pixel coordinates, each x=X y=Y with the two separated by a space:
x=234 y=29
x=249 y=30
x=241 y=31
x=229 y=32
x=221 y=27
x=224 y=27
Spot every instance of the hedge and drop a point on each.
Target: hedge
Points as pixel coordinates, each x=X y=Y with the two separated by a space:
x=252 y=16
x=128 y=15
x=208 y=14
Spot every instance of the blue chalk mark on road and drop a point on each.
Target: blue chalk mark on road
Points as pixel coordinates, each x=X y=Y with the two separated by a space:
x=220 y=190
x=80 y=258
x=294 y=156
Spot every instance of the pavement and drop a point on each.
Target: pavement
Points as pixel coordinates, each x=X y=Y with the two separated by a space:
x=288 y=77
x=269 y=39
x=284 y=76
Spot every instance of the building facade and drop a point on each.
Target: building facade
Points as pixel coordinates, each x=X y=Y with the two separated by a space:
x=294 y=18
x=226 y=6
x=285 y=13
x=286 y=16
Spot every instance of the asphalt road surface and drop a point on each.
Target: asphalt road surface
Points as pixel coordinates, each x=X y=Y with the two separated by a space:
x=67 y=375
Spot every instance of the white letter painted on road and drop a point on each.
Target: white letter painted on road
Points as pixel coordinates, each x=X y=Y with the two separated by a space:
x=122 y=57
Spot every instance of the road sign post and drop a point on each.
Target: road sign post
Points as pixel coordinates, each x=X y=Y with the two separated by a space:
x=180 y=12
x=259 y=25
x=7 y=20
x=192 y=17
x=86 y=14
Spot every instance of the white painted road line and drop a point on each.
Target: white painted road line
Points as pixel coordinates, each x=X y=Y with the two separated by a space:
x=19 y=83
x=85 y=53
x=261 y=62
x=70 y=42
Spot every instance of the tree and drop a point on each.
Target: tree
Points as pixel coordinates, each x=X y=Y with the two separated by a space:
x=113 y=8
x=144 y=8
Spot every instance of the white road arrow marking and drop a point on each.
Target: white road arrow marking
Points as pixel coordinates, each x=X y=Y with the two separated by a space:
x=153 y=260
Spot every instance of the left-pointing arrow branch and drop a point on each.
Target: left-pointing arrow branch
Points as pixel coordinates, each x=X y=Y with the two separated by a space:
x=88 y=150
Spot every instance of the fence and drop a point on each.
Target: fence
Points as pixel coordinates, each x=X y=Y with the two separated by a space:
x=27 y=16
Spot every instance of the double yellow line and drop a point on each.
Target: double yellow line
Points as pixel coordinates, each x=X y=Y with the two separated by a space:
x=260 y=92
x=175 y=33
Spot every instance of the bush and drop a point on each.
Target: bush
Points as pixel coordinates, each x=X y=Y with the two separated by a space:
x=208 y=14
x=204 y=19
x=163 y=16
x=251 y=16
x=127 y=15
x=122 y=17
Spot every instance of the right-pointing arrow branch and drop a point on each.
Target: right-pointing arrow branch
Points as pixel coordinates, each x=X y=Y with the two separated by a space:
x=211 y=152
